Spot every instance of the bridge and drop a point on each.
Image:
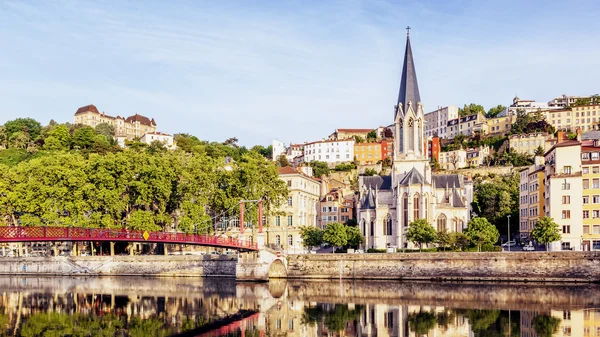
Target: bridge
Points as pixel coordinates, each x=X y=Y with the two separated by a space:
x=50 y=234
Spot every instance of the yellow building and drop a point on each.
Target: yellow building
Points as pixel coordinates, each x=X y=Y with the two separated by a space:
x=584 y=117
x=283 y=228
x=500 y=125
x=529 y=143
x=131 y=127
x=590 y=168
x=367 y=153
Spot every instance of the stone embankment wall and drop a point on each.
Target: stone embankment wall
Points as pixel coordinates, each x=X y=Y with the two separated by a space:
x=147 y=265
x=514 y=266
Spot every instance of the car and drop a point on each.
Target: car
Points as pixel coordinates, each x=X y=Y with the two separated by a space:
x=215 y=253
x=510 y=243
x=528 y=248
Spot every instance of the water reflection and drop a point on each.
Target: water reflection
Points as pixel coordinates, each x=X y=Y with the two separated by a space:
x=146 y=307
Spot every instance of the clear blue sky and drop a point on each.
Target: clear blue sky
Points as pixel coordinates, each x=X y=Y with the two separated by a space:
x=290 y=70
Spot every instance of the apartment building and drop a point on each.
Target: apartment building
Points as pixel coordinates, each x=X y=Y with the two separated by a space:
x=334 y=207
x=565 y=101
x=529 y=143
x=291 y=152
x=368 y=153
x=434 y=148
x=132 y=127
x=283 y=228
x=476 y=157
x=531 y=197
x=500 y=125
x=332 y=152
x=436 y=122
x=387 y=148
x=453 y=160
x=340 y=134
x=466 y=125
x=590 y=170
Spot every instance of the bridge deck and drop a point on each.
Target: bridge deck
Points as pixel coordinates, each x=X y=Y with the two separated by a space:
x=43 y=234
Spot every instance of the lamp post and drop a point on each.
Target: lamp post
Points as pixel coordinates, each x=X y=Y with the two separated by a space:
x=508 y=243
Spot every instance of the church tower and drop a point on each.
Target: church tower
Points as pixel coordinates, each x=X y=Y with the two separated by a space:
x=409 y=143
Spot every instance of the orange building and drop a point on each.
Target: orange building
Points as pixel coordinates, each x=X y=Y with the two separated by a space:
x=367 y=153
x=387 y=148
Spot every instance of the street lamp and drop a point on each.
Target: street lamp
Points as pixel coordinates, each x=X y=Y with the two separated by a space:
x=508 y=243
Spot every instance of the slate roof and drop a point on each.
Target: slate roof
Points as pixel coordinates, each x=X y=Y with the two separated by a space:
x=450 y=180
x=409 y=88
x=378 y=182
x=412 y=177
x=591 y=135
x=141 y=119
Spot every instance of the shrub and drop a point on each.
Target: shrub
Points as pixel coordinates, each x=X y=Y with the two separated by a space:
x=374 y=250
x=490 y=248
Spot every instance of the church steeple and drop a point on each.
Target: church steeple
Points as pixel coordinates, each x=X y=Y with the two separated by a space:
x=409 y=88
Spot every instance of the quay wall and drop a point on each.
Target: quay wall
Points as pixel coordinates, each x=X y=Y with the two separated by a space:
x=496 y=266
x=147 y=265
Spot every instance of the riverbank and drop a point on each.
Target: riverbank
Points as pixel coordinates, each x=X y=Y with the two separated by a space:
x=146 y=265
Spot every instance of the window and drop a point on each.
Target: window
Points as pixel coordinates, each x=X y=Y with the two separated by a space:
x=324 y=218
x=595 y=169
x=586 y=200
x=586 y=229
x=278 y=221
x=586 y=214
x=565 y=245
x=290 y=240
x=405 y=211
x=277 y=240
x=567 y=169
x=566 y=214
x=596 y=199
x=387 y=225
x=441 y=223
x=289 y=183
x=596 y=214
x=291 y=325
x=567 y=315
x=566 y=186
x=416 y=205
x=596 y=246
x=596 y=229
x=372 y=228
x=566 y=199
x=566 y=229
x=290 y=220
x=289 y=201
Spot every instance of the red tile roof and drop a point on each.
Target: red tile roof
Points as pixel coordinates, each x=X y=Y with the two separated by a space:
x=141 y=119
x=87 y=108
x=287 y=170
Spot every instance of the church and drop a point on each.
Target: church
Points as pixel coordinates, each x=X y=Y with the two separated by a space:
x=387 y=204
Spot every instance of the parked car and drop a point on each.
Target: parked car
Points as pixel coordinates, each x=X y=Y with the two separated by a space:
x=510 y=243
x=215 y=253
x=528 y=248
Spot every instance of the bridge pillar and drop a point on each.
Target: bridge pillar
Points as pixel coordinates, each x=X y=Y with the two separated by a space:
x=260 y=240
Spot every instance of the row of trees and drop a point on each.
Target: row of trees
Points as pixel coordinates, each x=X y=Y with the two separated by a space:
x=477 y=108
x=135 y=189
x=335 y=234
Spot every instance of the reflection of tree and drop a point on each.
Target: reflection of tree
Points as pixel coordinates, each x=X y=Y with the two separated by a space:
x=147 y=327
x=545 y=326
x=55 y=324
x=335 y=318
x=421 y=322
x=445 y=318
x=481 y=320
x=492 y=323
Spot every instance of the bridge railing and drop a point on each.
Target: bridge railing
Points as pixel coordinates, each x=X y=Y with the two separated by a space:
x=19 y=233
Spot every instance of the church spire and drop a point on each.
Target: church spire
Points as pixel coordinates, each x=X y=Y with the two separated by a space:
x=409 y=88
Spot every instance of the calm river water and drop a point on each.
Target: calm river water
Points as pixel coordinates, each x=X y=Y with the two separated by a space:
x=132 y=306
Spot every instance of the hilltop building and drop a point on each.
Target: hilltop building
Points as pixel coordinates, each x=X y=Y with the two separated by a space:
x=131 y=127
x=389 y=203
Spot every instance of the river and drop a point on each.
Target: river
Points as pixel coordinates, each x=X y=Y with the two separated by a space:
x=138 y=306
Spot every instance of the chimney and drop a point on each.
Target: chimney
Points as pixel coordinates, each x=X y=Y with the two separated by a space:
x=561 y=137
x=578 y=131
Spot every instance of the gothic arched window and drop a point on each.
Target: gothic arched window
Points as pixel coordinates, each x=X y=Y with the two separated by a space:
x=387 y=225
x=441 y=223
x=372 y=227
x=400 y=135
x=411 y=135
x=416 y=206
x=405 y=210
x=364 y=227
x=425 y=207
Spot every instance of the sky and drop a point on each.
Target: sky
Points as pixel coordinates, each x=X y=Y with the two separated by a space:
x=287 y=70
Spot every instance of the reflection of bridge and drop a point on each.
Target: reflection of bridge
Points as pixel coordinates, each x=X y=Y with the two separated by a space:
x=240 y=322
x=45 y=234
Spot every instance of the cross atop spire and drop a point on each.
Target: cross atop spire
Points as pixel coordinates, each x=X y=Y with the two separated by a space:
x=409 y=88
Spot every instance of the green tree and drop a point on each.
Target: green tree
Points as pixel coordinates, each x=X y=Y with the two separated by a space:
x=369 y=172
x=354 y=237
x=186 y=142
x=420 y=232
x=471 y=109
x=497 y=197
x=458 y=241
x=546 y=231
x=320 y=168
x=442 y=238
x=266 y=152
x=83 y=138
x=106 y=130
x=480 y=231
x=335 y=234
x=493 y=112
x=545 y=325
x=372 y=136
x=282 y=161
x=311 y=236
x=539 y=151
x=359 y=139
x=61 y=134
x=28 y=126
x=386 y=162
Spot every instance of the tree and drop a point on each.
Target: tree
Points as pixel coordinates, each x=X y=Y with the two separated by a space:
x=545 y=325
x=372 y=136
x=495 y=111
x=29 y=126
x=480 y=231
x=186 y=142
x=546 y=231
x=282 y=161
x=369 y=172
x=106 y=130
x=320 y=168
x=231 y=142
x=539 y=151
x=386 y=162
x=442 y=238
x=497 y=197
x=458 y=241
x=335 y=234
x=354 y=237
x=422 y=322
x=83 y=138
x=359 y=139
x=266 y=152
x=471 y=109
x=311 y=236
x=420 y=231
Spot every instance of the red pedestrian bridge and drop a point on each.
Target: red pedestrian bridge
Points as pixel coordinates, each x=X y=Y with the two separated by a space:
x=45 y=234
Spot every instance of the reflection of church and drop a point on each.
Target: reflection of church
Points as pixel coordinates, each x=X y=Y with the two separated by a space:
x=389 y=203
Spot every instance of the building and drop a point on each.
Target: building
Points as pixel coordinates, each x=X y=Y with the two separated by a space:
x=283 y=228
x=434 y=149
x=453 y=160
x=590 y=170
x=131 y=127
x=529 y=143
x=293 y=153
x=332 y=152
x=532 y=201
x=340 y=134
x=585 y=118
x=525 y=105
x=500 y=125
x=387 y=148
x=476 y=157
x=334 y=207
x=565 y=101
x=466 y=125
x=436 y=122
x=368 y=153
x=165 y=139
x=388 y=204
x=277 y=149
